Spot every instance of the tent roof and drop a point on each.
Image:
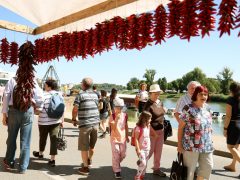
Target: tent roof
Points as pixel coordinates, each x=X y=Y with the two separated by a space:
x=42 y=12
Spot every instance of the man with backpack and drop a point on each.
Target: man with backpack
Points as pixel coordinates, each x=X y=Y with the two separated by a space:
x=85 y=107
x=50 y=119
x=17 y=119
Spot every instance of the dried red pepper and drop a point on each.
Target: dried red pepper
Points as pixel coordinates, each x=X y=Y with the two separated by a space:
x=90 y=42
x=81 y=45
x=73 y=44
x=13 y=60
x=206 y=16
x=107 y=37
x=98 y=37
x=237 y=21
x=174 y=18
x=114 y=25
x=4 y=50
x=122 y=31
x=145 y=29
x=25 y=75
x=189 y=19
x=160 y=24
x=227 y=12
x=133 y=32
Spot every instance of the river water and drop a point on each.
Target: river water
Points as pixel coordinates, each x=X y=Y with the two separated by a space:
x=171 y=103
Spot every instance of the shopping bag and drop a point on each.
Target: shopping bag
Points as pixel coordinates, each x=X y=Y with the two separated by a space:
x=178 y=170
x=61 y=142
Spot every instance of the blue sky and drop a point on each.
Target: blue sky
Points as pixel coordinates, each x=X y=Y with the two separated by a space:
x=172 y=59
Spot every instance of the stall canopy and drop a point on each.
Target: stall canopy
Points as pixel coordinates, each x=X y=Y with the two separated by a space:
x=54 y=16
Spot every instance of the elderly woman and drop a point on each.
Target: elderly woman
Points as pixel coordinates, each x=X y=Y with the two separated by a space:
x=195 y=135
x=232 y=125
x=154 y=106
x=141 y=97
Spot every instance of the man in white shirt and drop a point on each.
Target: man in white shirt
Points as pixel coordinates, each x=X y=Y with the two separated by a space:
x=185 y=99
x=18 y=120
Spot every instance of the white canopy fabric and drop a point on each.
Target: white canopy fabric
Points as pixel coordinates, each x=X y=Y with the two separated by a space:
x=41 y=12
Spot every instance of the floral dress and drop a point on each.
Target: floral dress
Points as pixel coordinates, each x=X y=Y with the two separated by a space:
x=197 y=135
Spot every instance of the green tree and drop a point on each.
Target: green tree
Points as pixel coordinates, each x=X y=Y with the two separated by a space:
x=149 y=75
x=213 y=85
x=225 y=78
x=163 y=83
x=195 y=75
x=133 y=83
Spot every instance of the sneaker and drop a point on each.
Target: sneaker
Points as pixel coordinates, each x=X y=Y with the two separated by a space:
x=22 y=171
x=159 y=173
x=51 y=163
x=103 y=135
x=84 y=171
x=89 y=163
x=118 y=175
x=7 y=166
x=36 y=154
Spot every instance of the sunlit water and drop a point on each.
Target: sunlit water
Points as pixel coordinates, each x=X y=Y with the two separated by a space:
x=171 y=103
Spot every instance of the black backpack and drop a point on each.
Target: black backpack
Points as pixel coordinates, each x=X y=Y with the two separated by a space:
x=105 y=106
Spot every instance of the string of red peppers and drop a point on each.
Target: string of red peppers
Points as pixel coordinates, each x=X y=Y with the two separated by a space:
x=25 y=75
x=205 y=17
x=227 y=12
x=237 y=21
x=189 y=19
x=4 y=50
x=160 y=24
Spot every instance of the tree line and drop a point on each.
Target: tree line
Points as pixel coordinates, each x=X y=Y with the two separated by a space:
x=217 y=85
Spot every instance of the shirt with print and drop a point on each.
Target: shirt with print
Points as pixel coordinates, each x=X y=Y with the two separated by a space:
x=143 y=96
x=43 y=117
x=118 y=134
x=144 y=139
x=197 y=135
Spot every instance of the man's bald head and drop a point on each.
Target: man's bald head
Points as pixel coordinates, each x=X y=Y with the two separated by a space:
x=87 y=83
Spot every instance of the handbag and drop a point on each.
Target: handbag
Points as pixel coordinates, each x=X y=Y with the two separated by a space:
x=61 y=141
x=178 y=170
x=167 y=129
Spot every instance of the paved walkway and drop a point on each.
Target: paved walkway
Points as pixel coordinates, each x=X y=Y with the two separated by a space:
x=68 y=161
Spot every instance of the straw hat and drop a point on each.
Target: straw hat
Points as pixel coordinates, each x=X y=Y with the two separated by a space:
x=155 y=88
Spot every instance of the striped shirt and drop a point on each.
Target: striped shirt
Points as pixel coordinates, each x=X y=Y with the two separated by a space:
x=43 y=117
x=184 y=100
x=88 y=114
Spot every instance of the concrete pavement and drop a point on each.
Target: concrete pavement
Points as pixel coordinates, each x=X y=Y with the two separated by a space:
x=68 y=161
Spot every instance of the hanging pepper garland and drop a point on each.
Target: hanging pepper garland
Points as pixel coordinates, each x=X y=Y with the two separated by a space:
x=160 y=24
x=4 y=50
x=237 y=21
x=25 y=76
x=107 y=39
x=81 y=44
x=98 y=32
x=90 y=42
x=145 y=29
x=115 y=24
x=189 y=19
x=174 y=18
x=206 y=16
x=227 y=12
x=133 y=32
x=13 y=60
x=123 y=42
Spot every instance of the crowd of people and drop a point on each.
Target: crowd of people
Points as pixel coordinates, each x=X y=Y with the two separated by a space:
x=93 y=111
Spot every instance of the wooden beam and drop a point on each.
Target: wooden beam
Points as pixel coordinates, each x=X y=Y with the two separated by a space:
x=15 y=27
x=91 y=11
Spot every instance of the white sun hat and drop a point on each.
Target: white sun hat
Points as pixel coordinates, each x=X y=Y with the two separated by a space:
x=155 y=88
x=118 y=102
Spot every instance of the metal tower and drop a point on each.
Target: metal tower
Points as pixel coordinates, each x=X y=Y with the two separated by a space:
x=51 y=74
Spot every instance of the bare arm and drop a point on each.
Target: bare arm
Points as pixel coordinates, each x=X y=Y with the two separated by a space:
x=227 y=118
x=181 y=126
x=137 y=146
x=74 y=114
x=176 y=114
x=126 y=130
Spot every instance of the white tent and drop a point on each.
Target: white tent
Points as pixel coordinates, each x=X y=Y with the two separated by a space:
x=44 y=12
